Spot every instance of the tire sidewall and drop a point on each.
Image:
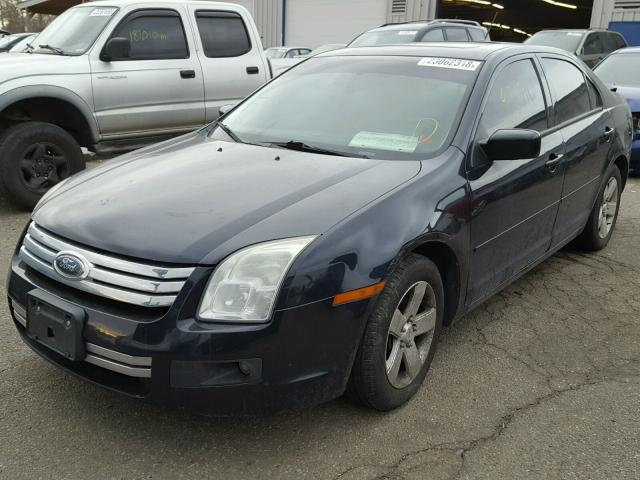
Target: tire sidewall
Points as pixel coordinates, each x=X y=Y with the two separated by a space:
x=383 y=395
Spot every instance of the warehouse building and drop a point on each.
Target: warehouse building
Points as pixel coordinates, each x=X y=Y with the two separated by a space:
x=311 y=23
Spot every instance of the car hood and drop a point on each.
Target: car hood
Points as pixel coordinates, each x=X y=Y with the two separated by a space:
x=16 y=65
x=632 y=96
x=195 y=200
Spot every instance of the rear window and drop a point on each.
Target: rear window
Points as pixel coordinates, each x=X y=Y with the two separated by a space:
x=385 y=37
x=568 y=41
x=223 y=34
x=477 y=35
x=457 y=34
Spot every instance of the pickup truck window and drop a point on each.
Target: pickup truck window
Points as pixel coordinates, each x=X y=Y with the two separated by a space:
x=154 y=35
x=223 y=34
x=75 y=31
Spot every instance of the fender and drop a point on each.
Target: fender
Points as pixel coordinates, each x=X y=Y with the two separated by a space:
x=32 y=91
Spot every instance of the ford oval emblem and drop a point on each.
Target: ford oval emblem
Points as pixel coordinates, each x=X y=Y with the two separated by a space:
x=71 y=265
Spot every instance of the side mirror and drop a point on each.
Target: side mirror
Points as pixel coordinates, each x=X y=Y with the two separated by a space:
x=116 y=48
x=516 y=144
x=225 y=108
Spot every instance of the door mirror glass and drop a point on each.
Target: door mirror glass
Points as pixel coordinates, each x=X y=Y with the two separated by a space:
x=513 y=144
x=116 y=48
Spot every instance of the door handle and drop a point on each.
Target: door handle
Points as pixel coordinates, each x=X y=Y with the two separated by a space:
x=188 y=73
x=253 y=70
x=608 y=131
x=554 y=161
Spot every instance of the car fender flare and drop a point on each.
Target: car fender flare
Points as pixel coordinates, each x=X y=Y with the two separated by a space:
x=60 y=93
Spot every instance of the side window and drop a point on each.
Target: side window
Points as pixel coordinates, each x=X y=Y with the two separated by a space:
x=609 y=42
x=223 y=34
x=618 y=40
x=593 y=44
x=568 y=87
x=305 y=51
x=291 y=53
x=154 y=35
x=457 y=35
x=476 y=34
x=434 y=35
x=515 y=100
x=594 y=95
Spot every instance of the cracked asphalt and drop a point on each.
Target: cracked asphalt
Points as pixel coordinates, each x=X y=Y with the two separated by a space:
x=540 y=382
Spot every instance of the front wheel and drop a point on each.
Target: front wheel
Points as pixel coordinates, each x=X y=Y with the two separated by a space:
x=603 y=217
x=34 y=156
x=400 y=338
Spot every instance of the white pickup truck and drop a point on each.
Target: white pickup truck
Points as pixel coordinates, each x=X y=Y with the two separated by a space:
x=113 y=76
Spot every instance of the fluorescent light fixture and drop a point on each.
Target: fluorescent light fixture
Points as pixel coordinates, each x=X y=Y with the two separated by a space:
x=498 y=6
x=521 y=32
x=560 y=4
x=484 y=2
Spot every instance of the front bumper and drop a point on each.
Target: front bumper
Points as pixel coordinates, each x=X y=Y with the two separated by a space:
x=301 y=358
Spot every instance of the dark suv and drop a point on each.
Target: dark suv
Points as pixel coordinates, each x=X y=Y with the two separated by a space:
x=441 y=30
x=590 y=46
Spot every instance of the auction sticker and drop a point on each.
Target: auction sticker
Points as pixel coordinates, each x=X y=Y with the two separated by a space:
x=102 y=12
x=454 y=63
x=385 y=141
x=408 y=32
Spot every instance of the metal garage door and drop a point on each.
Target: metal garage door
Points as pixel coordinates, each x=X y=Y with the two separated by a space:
x=311 y=23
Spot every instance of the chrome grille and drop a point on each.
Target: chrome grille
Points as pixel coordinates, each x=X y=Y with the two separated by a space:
x=110 y=277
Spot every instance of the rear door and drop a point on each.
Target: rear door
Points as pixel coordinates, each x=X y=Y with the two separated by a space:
x=513 y=202
x=231 y=56
x=158 y=87
x=586 y=128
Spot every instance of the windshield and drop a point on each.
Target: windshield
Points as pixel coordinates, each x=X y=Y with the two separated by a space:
x=275 y=52
x=377 y=107
x=384 y=37
x=8 y=41
x=73 y=32
x=568 y=41
x=622 y=69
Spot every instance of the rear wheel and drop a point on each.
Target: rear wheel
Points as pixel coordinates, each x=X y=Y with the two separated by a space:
x=34 y=156
x=400 y=338
x=602 y=221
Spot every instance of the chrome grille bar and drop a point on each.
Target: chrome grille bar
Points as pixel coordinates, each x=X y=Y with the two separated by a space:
x=110 y=277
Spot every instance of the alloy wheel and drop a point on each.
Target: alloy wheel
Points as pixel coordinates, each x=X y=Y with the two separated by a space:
x=608 y=208
x=410 y=334
x=42 y=166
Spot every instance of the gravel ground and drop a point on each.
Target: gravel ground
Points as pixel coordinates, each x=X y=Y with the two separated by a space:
x=542 y=381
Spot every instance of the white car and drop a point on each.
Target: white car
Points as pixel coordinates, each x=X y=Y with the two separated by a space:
x=283 y=58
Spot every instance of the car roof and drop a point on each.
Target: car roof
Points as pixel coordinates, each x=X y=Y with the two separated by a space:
x=466 y=50
x=626 y=50
x=425 y=24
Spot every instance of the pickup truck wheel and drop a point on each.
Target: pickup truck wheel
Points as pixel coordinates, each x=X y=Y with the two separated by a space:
x=400 y=338
x=34 y=156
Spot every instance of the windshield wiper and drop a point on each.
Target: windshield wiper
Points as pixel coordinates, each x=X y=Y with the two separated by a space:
x=304 y=147
x=59 y=51
x=30 y=48
x=229 y=132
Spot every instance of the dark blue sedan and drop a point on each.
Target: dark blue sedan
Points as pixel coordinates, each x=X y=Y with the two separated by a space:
x=316 y=238
x=621 y=71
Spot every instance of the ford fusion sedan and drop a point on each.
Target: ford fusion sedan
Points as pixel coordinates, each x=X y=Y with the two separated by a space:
x=621 y=71
x=317 y=237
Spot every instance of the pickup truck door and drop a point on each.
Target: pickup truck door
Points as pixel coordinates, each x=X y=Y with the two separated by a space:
x=231 y=55
x=158 y=88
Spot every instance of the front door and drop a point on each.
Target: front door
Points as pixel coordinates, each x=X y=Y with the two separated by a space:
x=158 y=88
x=514 y=202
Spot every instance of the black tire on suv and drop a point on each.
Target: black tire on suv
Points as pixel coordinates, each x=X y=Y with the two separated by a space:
x=34 y=156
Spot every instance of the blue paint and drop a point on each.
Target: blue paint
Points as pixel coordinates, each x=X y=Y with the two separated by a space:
x=629 y=30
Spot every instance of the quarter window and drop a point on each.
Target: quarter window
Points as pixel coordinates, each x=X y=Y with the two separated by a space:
x=593 y=44
x=457 y=35
x=154 y=36
x=223 y=34
x=515 y=100
x=434 y=35
x=568 y=87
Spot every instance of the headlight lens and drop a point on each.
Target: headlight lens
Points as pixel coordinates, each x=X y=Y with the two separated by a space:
x=245 y=285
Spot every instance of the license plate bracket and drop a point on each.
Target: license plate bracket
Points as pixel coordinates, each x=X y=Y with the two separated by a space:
x=56 y=324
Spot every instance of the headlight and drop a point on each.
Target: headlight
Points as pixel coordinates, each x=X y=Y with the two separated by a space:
x=245 y=285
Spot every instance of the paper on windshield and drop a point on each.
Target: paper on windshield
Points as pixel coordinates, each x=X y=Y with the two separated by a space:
x=385 y=141
x=102 y=12
x=454 y=63
x=408 y=32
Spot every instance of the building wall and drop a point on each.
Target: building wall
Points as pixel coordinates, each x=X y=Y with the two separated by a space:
x=607 y=11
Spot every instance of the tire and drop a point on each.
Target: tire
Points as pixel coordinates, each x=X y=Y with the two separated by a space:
x=596 y=234
x=34 y=156
x=370 y=383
